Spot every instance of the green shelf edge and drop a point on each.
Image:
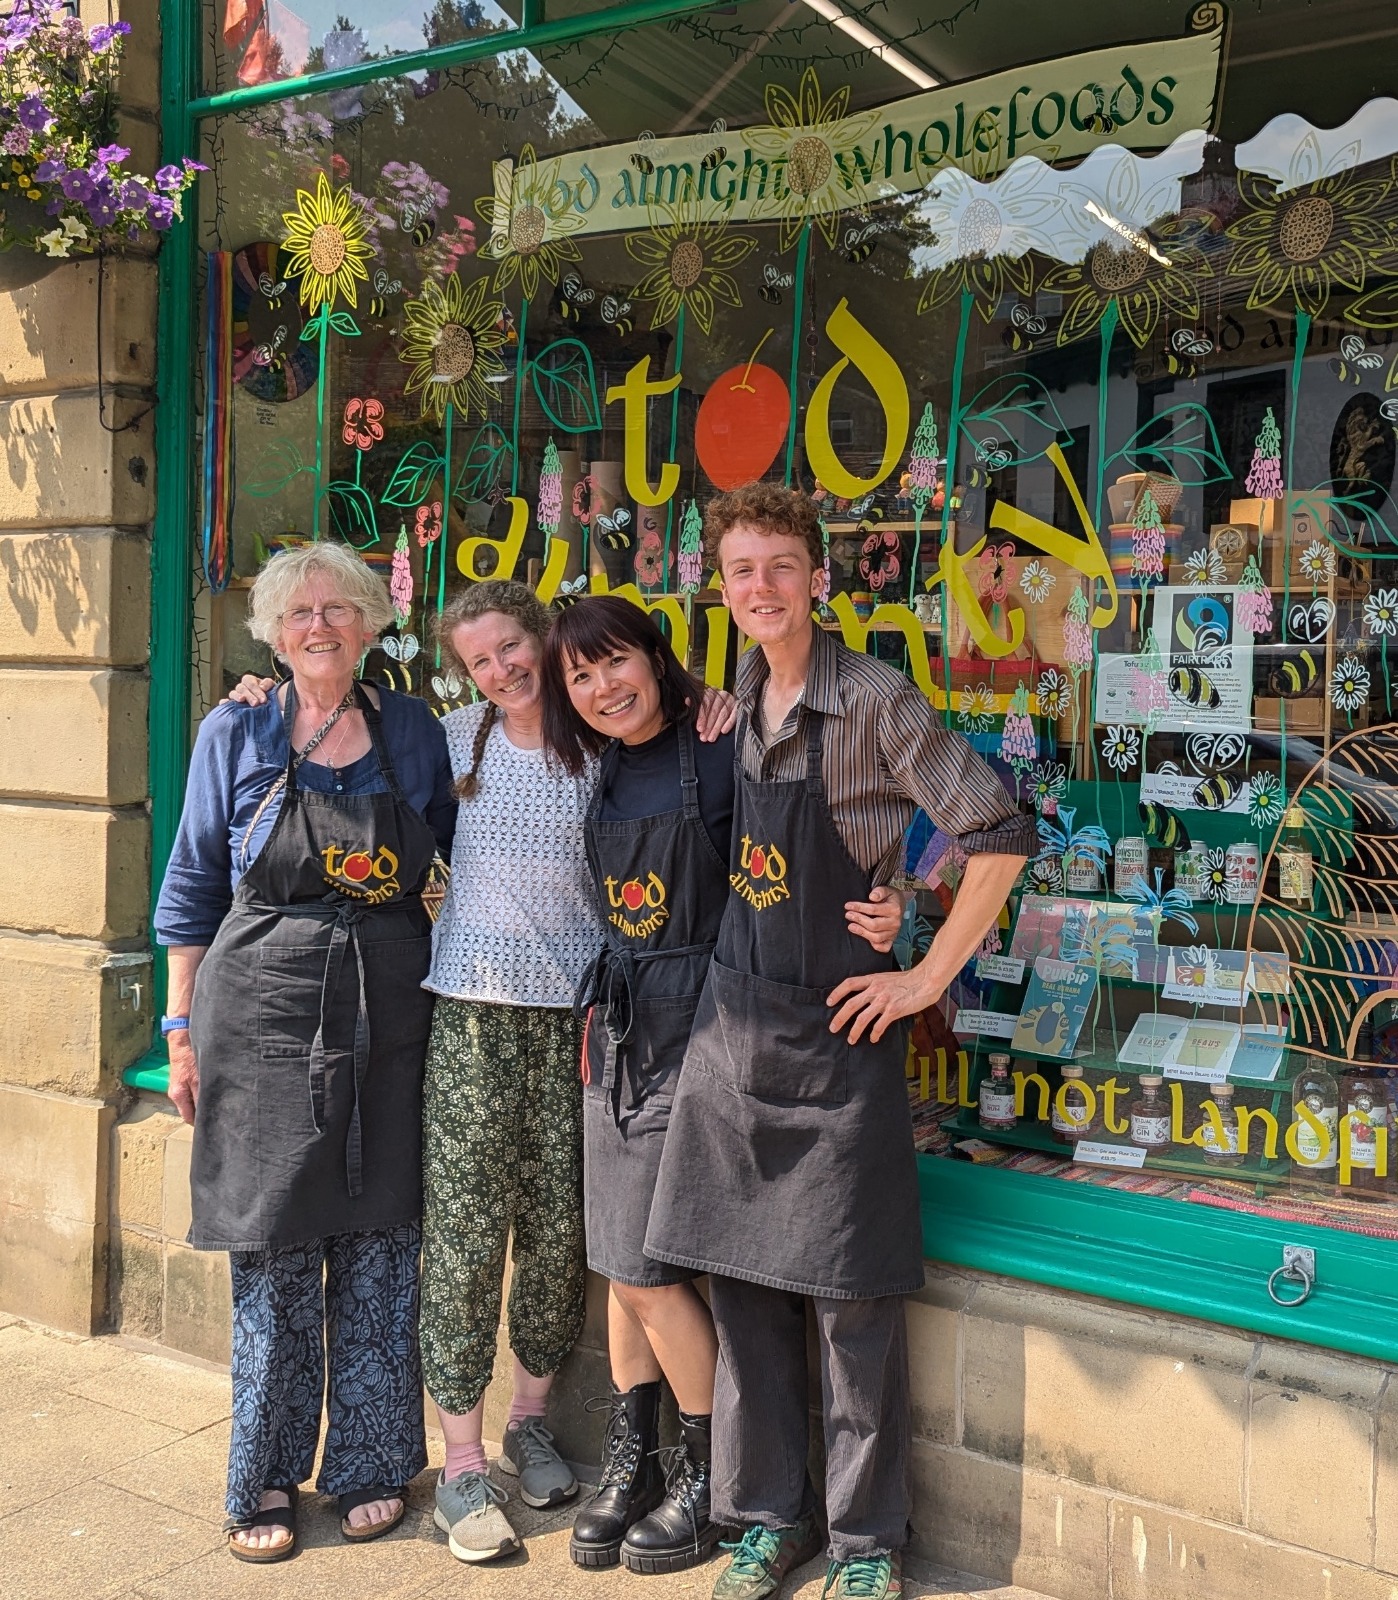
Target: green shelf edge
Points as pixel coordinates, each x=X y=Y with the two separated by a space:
x=1157 y=1254
x=151 y=1072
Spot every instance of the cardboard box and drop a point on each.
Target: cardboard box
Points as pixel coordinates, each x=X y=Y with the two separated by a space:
x=1305 y=715
x=1234 y=543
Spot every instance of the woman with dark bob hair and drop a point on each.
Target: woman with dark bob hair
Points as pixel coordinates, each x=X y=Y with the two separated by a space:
x=658 y=836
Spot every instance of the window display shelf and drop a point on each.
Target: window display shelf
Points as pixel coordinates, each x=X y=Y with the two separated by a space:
x=1103 y=1058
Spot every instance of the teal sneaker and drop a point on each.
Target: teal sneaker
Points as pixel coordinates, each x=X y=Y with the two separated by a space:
x=528 y=1453
x=865 y=1578
x=763 y=1557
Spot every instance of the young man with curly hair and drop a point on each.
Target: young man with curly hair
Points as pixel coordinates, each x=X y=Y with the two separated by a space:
x=789 y=1172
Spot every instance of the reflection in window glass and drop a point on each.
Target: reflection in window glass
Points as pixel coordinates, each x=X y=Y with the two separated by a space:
x=1096 y=389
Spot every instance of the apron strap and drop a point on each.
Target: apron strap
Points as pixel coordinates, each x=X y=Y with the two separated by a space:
x=815 y=784
x=374 y=723
x=689 y=776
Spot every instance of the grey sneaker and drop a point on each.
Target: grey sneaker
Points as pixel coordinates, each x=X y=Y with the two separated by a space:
x=528 y=1454
x=468 y=1512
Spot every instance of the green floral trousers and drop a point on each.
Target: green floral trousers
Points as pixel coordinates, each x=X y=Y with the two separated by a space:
x=502 y=1156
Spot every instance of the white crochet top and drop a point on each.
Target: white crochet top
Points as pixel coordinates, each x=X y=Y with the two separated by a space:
x=519 y=923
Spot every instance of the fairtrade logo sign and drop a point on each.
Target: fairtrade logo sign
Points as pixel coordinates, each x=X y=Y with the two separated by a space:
x=764 y=865
x=633 y=896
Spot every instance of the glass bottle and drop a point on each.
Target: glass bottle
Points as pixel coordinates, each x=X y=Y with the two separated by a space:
x=1295 y=864
x=997 y=1095
x=1076 y=1124
x=1364 y=1100
x=1150 y=1115
x=1316 y=1136
x=1224 y=1153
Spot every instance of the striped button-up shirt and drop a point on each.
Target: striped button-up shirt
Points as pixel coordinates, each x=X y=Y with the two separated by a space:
x=885 y=754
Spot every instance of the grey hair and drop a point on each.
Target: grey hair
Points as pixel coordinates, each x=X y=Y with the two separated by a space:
x=287 y=574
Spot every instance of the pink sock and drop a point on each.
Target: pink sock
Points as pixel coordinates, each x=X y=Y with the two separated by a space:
x=521 y=1407
x=463 y=1458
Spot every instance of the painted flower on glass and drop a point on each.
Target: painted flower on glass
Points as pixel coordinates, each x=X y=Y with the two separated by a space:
x=1196 y=966
x=981 y=235
x=649 y=562
x=1216 y=875
x=1036 y=580
x=1046 y=875
x=1121 y=748
x=689 y=260
x=1295 y=248
x=1077 y=635
x=1381 y=612
x=450 y=337
x=1317 y=561
x=528 y=236
x=363 y=423
x=1264 y=799
x=326 y=246
x=1206 y=566
x=1147 y=275
x=804 y=132
x=1054 y=693
x=976 y=708
x=428 y=522
x=1349 y=684
x=1048 y=781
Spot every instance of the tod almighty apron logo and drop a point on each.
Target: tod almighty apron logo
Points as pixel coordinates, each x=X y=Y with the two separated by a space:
x=766 y=868
x=363 y=876
x=634 y=896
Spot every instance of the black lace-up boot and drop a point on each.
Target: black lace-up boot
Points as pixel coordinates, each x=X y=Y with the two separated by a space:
x=678 y=1534
x=631 y=1486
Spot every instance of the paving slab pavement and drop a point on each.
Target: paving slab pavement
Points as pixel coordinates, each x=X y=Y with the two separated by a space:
x=112 y=1458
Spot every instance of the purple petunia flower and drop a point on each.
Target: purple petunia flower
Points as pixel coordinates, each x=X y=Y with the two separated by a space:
x=34 y=114
x=78 y=185
x=192 y=166
x=134 y=195
x=102 y=209
x=169 y=178
x=101 y=36
x=161 y=212
x=110 y=154
x=48 y=171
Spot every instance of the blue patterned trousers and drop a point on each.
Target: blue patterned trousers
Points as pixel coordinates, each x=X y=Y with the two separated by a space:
x=356 y=1293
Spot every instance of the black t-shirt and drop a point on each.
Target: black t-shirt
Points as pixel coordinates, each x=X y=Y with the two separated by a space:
x=645 y=782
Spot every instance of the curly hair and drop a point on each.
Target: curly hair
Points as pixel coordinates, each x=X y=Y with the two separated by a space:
x=771 y=509
x=286 y=575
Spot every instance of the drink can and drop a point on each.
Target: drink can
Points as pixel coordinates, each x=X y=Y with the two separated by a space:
x=1191 y=872
x=1241 y=865
x=1081 y=874
x=1130 y=859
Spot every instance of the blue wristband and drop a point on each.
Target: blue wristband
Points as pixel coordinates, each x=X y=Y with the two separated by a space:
x=169 y=1025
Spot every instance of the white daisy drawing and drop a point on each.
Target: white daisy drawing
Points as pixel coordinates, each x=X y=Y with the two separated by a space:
x=1046 y=875
x=1036 y=580
x=1206 y=566
x=1216 y=875
x=1054 y=692
x=1121 y=747
x=1349 y=684
x=1264 y=799
x=1381 y=612
x=976 y=708
x=1317 y=561
x=1048 y=780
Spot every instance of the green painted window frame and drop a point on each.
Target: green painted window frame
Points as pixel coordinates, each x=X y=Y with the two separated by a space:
x=1133 y=1249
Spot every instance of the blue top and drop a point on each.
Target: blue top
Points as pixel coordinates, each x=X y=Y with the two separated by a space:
x=238 y=755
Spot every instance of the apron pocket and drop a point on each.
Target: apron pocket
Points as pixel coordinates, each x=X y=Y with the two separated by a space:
x=776 y=1039
x=400 y=1009
x=289 y=984
x=651 y=1057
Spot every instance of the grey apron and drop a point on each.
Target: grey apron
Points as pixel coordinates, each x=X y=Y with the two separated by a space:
x=310 y=1024
x=789 y=1160
x=661 y=887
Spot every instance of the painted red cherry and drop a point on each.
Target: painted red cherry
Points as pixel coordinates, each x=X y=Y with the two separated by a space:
x=742 y=423
x=632 y=895
x=757 y=861
x=357 y=867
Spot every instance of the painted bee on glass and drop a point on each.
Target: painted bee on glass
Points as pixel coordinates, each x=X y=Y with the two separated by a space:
x=773 y=282
x=1354 y=360
x=711 y=161
x=1185 y=349
x=1193 y=687
x=612 y=528
x=272 y=291
x=616 y=314
x=574 y=294
x=1295 y=676
x=265 y=354
x=1215 y=793
x=1163 y=824
x=383 y=287
x=1025 y=326
x=418 y=222
x=860 y=242
x=995 y=454
x=571 y=590
x=1099 y=122
x=644 y=160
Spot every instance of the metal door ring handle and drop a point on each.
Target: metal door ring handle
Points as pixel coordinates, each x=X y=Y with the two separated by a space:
x=1293 y=1274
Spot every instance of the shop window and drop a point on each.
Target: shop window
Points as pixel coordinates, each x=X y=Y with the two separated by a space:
x=1096 y=386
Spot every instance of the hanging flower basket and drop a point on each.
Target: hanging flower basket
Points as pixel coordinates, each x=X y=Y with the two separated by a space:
x=65 y=189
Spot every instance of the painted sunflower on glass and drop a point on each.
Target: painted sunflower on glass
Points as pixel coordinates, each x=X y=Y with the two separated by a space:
x=1146 y=279
x=527 y=238
x=326 y=245
x=450 y=336
x=689 y=259
x=1294 y=248
x=802 y=134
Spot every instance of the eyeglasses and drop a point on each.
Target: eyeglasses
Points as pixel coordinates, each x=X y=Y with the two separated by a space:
x=338 y=614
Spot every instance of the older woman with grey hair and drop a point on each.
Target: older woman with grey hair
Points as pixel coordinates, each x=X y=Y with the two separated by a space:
x=298 y=943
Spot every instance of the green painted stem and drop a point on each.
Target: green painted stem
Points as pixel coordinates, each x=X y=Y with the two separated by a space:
x=322 y=386
x=798 y=307
x=674 y=445
x=1105 y=333
x=444 y=534
x=606 y=19
x=1303 y=335
x=958 y=373
x=519 y=398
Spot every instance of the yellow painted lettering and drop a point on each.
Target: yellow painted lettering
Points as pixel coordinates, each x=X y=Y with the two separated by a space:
x=506 y=549
x=633 y=394
x=1177 y=1133
x=944 y=1094
x=1111 y=1092
x=1022 y=1082
x=880 y=371
x=963 y=1080
x=554 y=569
x=1271 y=1132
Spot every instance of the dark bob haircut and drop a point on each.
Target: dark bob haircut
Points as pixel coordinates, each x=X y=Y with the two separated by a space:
x=587 y=631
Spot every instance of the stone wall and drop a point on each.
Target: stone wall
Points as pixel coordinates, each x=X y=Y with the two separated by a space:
x=77 y=487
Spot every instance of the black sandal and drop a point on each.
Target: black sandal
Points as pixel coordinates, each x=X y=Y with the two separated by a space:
x=272 y=1517
x=363 y=1497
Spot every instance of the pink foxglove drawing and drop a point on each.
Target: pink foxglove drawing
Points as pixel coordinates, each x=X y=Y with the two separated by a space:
x=691 y=559
x=400 y=583
x=550 y=491
x=1018 y=745
x=1147 y=540
x=1264 y=475
x=922 y=484
x=1254 y=600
